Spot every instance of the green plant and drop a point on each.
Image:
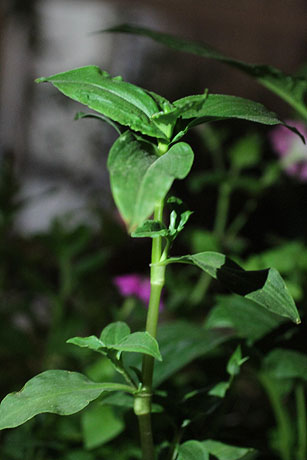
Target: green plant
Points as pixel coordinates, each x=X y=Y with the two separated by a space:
x=143 y=163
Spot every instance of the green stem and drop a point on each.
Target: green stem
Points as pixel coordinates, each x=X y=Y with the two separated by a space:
x=142 y=401
x=222 y=211
x=301 y=422
x=283 y=422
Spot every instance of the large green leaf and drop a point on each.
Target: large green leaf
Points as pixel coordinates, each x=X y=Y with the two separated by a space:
x=244 y=316
x=192 y=450
x=59 y=392
x=291 y=89
x=140 y=178
x=286 y=364
x=265 y=287
x=120 y=101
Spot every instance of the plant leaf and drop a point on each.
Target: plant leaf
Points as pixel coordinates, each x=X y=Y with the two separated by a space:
x=226 y=452
x=81 y=115
x=100 y=424
x=192 y=450
x=139 y=342
x=185 y=341
x=113 y=333
x=150 y=229
x=290 y=89
x=244 y=316
x=120 y=101
x=55 y=391
x=265 y=287
x=139 y=178
x=92 y=342
x=286 y=364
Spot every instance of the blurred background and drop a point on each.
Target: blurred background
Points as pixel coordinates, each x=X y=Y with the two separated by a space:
x=62 y=242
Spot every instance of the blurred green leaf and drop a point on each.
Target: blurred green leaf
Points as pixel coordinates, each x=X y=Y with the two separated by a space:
x=192 y=450
x=245 y=152
x=226 y=452
x=286 y=364
x=244 y=316
x=100 y=424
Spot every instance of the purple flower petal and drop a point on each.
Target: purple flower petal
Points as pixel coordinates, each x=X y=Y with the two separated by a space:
x=135 y=285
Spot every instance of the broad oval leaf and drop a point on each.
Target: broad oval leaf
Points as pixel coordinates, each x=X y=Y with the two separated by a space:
x=140 y=178
x=120 y=101
x=291 y=89
x=100 y=424
x=113 y=333
x=265 y=287
x=139 y=342
x=55 y=391
x=192 y=450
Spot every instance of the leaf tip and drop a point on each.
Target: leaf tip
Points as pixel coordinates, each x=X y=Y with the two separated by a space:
x=41 y=80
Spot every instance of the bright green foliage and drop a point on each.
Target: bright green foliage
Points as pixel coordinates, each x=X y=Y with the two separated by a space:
x=117 y=337
x=139 y=178
x=244 y=316
x=286 y=364
x=100 y=424
x=150 y=229
x=245 y=152
x=122 y=102
x=113 y=333
x=265 y=287
x=291 y=89
x=56 y=391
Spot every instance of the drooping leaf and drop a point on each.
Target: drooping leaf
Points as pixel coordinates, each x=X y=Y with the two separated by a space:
x=290 y=89
x=226 y=452
x=113 y=333
x=286 y=364
x=192 y=450
x=139 y=342
x=120 y=101
x=265 y=287
x=221 y=107
x=100 y=424
x=244 y=316
x=140 y=178
x=55 y=391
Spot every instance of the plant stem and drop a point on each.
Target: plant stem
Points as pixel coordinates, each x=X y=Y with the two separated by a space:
x=283 y=422
x=301 y=422
x=142 y=401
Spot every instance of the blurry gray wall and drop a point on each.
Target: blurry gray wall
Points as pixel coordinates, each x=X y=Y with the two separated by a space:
x=61 y=163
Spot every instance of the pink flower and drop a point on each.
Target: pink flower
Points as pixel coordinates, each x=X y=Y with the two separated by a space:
x=290 y=148
x=135 y=285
